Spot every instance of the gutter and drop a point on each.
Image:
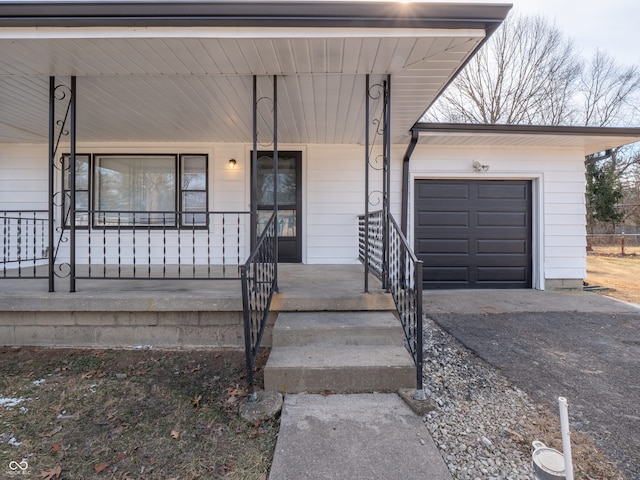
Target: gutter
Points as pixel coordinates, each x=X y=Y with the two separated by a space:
x=251 y=13
x=469 y=128
x=404 y=220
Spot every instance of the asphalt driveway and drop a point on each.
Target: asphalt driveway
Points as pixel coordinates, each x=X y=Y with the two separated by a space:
x=582 y=346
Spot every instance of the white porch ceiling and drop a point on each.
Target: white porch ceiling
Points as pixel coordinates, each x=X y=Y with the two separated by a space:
x=195 y=84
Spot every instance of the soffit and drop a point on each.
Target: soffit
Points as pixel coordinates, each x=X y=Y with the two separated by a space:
x=587 y=142
x=195 y=84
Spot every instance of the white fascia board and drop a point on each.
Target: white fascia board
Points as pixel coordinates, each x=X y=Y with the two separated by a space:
x=20 y=33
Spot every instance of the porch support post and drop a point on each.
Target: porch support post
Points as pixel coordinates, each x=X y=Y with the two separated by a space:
x=72 y=186
x=275 y=173
x=52 y=180
x=386 y=180
x=254 y=168
x=366 y=185
x=404 y=220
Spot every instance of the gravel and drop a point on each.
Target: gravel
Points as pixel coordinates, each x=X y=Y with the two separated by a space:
x=480 y=421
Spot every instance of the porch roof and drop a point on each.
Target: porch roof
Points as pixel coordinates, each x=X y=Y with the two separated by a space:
x=181 y=71
x=590 y=139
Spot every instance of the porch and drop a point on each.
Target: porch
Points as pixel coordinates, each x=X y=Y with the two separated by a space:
x=171 y=313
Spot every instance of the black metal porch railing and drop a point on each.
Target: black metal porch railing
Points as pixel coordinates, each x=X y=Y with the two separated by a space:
x=372 y=250
x=404 y=281
x=259 y=283
x=160 y=245
x=24 y=243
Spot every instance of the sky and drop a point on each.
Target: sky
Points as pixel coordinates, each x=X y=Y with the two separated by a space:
x=611 y=25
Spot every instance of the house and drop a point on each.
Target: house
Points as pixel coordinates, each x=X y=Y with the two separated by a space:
x=174 y=112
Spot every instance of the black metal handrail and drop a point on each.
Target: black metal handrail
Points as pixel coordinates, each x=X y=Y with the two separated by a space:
x=259 y=283
x=24 y=243
x=404 y=282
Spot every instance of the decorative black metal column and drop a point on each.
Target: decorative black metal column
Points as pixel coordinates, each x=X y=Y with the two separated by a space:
x=60 y=199
x=374 y=226
x=254 y=163
x=52 y=180
x=386 y=179
x=72 y=187
x=275 y=173
x=367 y=158
x=254 y=166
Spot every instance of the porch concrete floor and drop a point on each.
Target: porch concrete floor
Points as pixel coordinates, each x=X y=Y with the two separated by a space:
x=301 y=287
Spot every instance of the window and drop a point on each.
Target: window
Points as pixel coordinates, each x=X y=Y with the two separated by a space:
x=139 y=190
x=193 y=191
x=83 y=180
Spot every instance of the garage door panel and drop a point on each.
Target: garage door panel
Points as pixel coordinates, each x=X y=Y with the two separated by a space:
x=444 y=219
x=502 y=247
x=474 y=233
x=496 y=191
x=502 y=274
x=449 y=274
x=444 y=190
x=444 y=246
x=502 y=219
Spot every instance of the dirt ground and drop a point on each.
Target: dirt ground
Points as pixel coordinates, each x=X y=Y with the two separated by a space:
x=128 y=415
x=606 y=267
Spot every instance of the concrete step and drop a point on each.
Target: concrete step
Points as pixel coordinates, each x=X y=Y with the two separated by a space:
x=339 y=368
x=337 y=328
x=338 y=351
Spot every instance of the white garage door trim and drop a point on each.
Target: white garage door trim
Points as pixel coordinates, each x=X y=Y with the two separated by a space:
x=537 y=207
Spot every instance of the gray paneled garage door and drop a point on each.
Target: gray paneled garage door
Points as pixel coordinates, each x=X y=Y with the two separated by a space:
x=474 y=234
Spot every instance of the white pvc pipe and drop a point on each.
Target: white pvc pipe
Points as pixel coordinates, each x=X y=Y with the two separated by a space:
x=566 y=438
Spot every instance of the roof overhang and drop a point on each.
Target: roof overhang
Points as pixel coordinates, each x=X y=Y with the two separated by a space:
x=152 y=71
x=589 y=139
x=238 y=13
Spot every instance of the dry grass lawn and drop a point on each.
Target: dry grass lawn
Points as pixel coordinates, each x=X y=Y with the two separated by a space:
x=606 y=267
x=128 y=415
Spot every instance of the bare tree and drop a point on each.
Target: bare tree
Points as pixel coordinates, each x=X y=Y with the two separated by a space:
x=607 y=91
x=522 y=75
x=528 y=72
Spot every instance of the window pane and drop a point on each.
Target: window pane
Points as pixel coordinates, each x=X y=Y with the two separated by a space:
x=136 y=184
x=82 y=172
x=263 y=218
x=194 y=202
x=194 y=172
x=82 y=200
x=286 y=222
x=286 y=181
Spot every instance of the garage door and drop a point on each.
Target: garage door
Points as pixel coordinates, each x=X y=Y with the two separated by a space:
x=474 y=234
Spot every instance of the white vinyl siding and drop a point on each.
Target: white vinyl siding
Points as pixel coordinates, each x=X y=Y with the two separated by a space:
x=333 y=191
x=24 y=174
x=558 y=176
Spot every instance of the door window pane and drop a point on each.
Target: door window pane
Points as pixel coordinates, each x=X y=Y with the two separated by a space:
x=286 y=222
x=287 y=187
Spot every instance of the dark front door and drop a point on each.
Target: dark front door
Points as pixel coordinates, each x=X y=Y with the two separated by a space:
x=474 y=233
x=289 y=201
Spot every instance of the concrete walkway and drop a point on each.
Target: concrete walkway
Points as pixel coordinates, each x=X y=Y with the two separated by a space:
x=365 y=436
